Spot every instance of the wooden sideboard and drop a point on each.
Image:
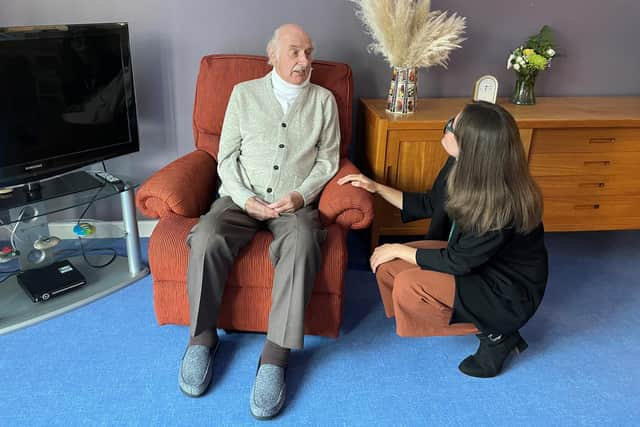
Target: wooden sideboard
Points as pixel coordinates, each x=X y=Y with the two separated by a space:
x=584 y=153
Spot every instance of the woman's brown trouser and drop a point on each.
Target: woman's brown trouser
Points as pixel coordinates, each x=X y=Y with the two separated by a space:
x=420 y=300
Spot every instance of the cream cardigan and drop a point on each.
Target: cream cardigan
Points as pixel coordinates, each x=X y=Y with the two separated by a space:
x=266 y=153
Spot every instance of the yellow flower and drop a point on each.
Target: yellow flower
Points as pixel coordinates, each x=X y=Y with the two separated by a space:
x=528 y=52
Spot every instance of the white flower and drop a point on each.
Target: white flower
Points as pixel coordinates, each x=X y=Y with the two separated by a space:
x=511 y=58
x=516 y=67
x=520 y=60
x=551 y=52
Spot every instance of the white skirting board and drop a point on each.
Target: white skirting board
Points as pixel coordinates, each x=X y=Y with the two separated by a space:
x=64 y=229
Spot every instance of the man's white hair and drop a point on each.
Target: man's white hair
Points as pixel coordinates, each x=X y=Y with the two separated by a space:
x=273 y=46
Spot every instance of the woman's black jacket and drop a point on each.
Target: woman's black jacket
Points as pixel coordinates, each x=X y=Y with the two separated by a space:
x=500 y=276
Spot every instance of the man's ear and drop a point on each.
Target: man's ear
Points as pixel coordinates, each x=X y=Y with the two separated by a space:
x=271 y=54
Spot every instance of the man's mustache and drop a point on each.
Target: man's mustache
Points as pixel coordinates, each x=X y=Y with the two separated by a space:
x=299 y=68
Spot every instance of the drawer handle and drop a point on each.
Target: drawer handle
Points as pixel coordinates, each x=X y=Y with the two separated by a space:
x=591 y=185
x=584 y=207
x=602 y=140
x=597 y=163
x=388 y=175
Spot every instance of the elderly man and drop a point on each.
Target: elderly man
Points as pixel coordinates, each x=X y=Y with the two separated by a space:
x=279 y=146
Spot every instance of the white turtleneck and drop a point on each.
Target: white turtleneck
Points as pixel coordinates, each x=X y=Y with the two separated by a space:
x=285 y=92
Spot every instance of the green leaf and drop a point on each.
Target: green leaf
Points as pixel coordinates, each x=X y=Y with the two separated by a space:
x=541 y=41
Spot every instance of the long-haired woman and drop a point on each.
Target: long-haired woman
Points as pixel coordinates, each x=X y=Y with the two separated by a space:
x=483 y=266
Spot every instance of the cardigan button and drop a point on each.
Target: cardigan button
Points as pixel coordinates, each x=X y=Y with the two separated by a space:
x=276 y=167
x=269 y=190
x=281 y=145
x=284 y=125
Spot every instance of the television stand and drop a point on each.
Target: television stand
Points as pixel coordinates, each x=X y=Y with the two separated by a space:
x=71 y=183
x=29 y=218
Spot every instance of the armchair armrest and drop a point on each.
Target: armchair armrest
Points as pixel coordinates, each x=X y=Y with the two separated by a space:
x=346 y=205
x=185 y=187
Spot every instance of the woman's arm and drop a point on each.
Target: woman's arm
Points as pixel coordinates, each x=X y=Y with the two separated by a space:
x=391 y=195
x=390 y=251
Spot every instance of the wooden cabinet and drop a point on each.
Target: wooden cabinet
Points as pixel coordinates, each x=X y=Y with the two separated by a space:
x=583 y=152
x=590 y=177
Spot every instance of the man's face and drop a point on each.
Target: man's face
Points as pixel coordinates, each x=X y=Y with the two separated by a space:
x=293 y=56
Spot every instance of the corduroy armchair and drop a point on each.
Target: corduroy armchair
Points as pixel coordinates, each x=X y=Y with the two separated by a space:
x=183 y=190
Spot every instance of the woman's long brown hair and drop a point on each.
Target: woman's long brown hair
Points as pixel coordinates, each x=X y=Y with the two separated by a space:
x=490 y=187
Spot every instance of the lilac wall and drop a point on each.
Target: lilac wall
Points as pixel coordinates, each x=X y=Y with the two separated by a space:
x=598 y=41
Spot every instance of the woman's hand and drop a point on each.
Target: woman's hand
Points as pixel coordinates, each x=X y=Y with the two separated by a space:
x=391 y=251
x=359 y=180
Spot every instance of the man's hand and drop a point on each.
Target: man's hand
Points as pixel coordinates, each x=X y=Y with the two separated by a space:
x=390 y=251
x=289 y=203
x=259 y=209
x=359 y=180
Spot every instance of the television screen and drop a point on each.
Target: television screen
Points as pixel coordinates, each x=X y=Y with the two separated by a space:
x=66 y=99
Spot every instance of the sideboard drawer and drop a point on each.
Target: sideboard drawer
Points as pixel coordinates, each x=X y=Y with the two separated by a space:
x=563 y=164
x=591 y=213
x=588 y=185
x=585 y=140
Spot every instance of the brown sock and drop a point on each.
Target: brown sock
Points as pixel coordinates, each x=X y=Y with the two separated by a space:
x=273 y=354
x=207 y=338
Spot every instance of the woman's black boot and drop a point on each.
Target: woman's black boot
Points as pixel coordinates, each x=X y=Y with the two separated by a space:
x=491 y=354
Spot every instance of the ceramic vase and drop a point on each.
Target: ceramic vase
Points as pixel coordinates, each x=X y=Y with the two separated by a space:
x=403 y=90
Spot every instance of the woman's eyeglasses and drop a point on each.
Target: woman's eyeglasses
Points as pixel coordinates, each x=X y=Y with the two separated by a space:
x=448 y=127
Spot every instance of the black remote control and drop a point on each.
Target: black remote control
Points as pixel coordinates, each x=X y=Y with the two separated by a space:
x=111 y=179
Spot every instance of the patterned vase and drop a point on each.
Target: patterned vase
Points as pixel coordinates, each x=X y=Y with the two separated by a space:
x=524 y=90
x=403 y=90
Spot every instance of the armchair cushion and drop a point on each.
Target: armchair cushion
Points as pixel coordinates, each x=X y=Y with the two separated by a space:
x=185 y=187
x=346 y=205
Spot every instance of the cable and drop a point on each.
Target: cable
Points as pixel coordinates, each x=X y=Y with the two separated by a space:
x=114 y=255
x=84 y=252
x=93 y=199
x=15 y=228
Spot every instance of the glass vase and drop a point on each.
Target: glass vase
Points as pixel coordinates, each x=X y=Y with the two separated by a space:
x=403 y=90
x=524 y=90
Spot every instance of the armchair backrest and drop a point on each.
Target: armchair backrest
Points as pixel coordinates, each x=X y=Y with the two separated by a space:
x=219 y=73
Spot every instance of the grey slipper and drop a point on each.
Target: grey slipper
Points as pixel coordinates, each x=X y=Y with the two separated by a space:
x=268 y=392
x=196 y=370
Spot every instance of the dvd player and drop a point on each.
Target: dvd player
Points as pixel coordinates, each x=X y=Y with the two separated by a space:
x=44 y=283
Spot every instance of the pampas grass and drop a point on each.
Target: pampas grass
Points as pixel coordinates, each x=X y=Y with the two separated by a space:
x=407 y=34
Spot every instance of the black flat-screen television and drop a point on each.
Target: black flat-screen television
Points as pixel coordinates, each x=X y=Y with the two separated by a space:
x=66 y=99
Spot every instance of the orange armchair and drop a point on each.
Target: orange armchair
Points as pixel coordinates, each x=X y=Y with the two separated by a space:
x=183 y=190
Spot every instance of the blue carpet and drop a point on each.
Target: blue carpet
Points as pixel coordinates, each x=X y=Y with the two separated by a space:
x=109 y=363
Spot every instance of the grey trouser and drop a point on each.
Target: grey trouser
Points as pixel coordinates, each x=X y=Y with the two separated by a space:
x=295 y=253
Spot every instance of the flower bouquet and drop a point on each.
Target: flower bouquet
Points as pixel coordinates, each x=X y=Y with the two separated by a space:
x=409 y=36
x=529 y=59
